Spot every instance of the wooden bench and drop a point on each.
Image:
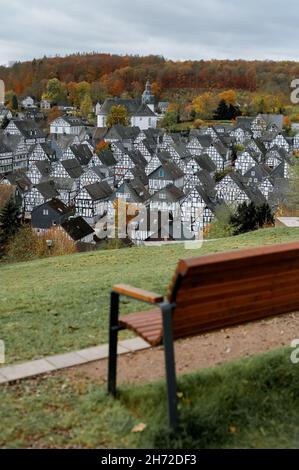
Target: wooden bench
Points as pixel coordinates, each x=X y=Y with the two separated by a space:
x=208 y=293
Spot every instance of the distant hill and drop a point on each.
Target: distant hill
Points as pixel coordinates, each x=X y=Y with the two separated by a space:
x=115 y=74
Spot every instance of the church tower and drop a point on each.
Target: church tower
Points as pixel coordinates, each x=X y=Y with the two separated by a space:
x=147 y=96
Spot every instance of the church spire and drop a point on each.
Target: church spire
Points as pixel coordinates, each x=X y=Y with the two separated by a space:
x=147 y=95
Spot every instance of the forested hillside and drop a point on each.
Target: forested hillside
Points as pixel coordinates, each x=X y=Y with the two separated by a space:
x=114 y=75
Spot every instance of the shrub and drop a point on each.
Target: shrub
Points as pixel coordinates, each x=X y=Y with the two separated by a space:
x=61 y=243
x=249 y=217
x=23 y=246
x=221 y=227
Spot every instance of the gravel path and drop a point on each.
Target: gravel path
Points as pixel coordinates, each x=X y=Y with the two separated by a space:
x=199 y=352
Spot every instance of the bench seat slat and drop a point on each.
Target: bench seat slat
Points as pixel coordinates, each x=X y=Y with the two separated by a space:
x=146 y=324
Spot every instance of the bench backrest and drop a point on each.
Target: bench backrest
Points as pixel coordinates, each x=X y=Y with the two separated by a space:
x=224 y=289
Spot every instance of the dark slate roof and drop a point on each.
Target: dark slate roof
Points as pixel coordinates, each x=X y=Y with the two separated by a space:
x=63 y=141
x=284 y=155
x=206 y=181
x=121 y=132
x=58 y=206
x=205 y=162
x=77 y=228
x=276 y=119
x=153 y=133
x=47 y=189
x=280 y=193
x=278 y=172
x=65 y=184
x=139 y=173
x=137 y=190
x=82 y=153
x=172 y=193
x=73 y=120
x=164 y=156
x=133 y=106
x=44 y=167
x=99 y=190
x=150 y=145
x=214 y=203
x=268 y=136
x=11 y=141
x=171 y=171
x=4 y=148
x=244 y=122
x=28 y=128
x=107 y=158
x=221 y=149
x=260 y=145
x=252 y=192
x=261 y=172
x=181 y=150
x=137 y=158
x=49 y=151
x=99 y=134
x=72 y=167
x=19 y=179
x=205 y=140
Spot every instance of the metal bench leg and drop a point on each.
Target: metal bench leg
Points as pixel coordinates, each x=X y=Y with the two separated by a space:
x=113 y=334
x=170 y=365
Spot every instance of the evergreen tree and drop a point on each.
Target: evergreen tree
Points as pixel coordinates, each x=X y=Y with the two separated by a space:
x=9 y=222
x=264 y=215
x=233 y=112
x=250 y=217
x=222 y=111
x=14 y=103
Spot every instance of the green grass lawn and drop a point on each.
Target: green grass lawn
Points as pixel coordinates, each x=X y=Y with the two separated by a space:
x=252 y=403
x=60 y=304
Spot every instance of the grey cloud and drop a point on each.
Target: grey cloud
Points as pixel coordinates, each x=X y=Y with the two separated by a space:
x=192 y=29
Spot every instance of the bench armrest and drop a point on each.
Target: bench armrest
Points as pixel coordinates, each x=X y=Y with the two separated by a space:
x=138 y=294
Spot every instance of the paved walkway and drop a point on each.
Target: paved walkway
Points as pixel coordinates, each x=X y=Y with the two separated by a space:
x=62 y=361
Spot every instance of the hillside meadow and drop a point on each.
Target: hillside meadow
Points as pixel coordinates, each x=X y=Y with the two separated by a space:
x=60 y=304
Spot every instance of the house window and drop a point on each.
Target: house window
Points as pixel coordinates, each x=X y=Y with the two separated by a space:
x=45 y=212
x=161 y=173
x=162 y=196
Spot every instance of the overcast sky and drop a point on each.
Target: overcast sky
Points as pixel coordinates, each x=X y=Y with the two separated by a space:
x=188 y=29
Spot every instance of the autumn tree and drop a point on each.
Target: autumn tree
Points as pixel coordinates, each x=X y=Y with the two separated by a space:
x=170 y=120
x=55 y=91
x=117 y=87
x=23 y=246
x=86 y=106
x=82 y=90
x=118 y=114
x=229 y=96
x=156 y=89
x=53 y=114
x=204 y=105
x=102 y=146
